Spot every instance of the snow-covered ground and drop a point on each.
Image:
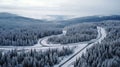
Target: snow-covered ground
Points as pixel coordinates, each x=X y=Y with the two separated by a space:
x=68 y=62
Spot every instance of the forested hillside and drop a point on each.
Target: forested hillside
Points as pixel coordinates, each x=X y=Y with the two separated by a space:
x=76 y=33
x=96 y=18
x=106 y=54
x=21 y=31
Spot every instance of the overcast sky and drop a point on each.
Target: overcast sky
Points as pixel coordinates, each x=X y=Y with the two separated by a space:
x=35 y=8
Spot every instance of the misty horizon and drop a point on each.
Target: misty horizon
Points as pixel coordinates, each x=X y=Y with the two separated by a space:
x=77 y=8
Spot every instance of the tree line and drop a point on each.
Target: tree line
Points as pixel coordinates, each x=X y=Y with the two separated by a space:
x=76 y=33
x=105 y=54
x=24 y=36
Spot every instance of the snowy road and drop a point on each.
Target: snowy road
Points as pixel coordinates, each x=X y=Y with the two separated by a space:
x=69 y=62
x=66 y=62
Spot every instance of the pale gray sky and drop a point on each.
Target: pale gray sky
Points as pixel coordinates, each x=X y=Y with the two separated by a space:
x=36 y=8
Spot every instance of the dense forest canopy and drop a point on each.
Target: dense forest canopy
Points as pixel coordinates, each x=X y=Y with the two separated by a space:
x=21 y=31
x=33 y=58
x=76 y=33
x=106 y=54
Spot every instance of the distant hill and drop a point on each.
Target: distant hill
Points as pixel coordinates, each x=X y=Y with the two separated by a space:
x=90 y=19
x=8 y=19
x=13 y=20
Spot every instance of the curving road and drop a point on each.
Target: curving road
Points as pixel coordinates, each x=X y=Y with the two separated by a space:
x=81 y=47
x=70 y=60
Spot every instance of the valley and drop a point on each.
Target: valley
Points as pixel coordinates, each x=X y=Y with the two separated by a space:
x=31 y=44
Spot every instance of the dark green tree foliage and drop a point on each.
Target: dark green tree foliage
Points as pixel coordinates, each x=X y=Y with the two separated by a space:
x=33 y=58
x=105 y=54
x=77 y=33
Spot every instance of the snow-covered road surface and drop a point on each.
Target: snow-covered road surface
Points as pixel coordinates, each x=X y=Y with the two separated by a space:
x=66 y=62
x=69 y=61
